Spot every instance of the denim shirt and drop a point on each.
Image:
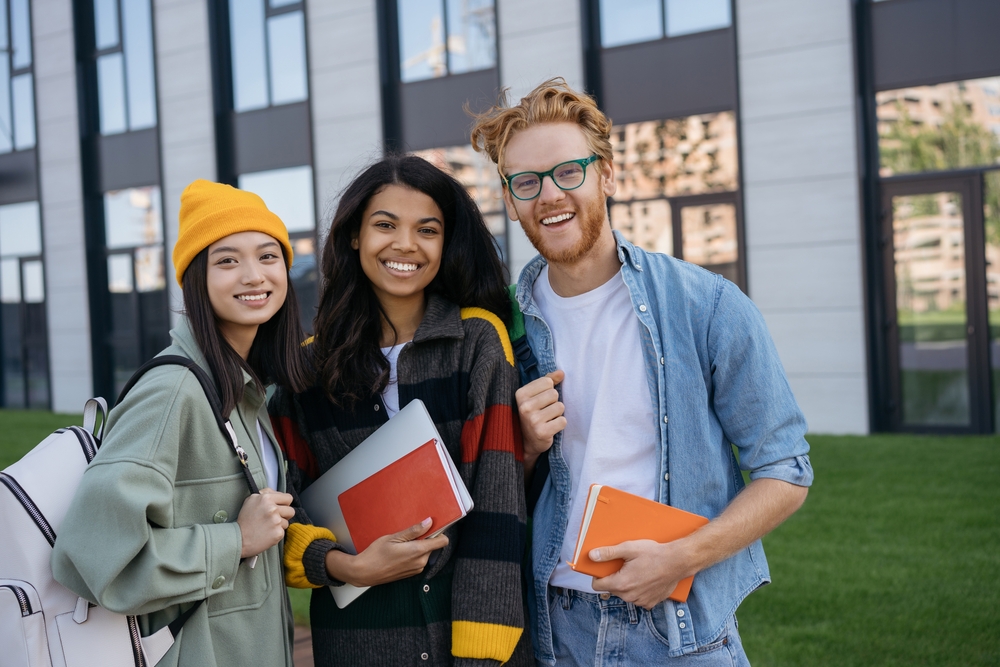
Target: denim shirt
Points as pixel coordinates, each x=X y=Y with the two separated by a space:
x=716 y=382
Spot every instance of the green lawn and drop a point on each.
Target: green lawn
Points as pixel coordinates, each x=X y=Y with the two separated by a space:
x=893 y=560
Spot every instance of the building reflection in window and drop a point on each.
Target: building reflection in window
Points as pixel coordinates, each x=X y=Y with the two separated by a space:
x=991 y=221
x=268 y=43
x=631 y=21
x=125 y=79
x=17 y=96
x=133 y=232
x=680 y=171
x=24 y=376
x=479 y=176
x=289 y=194
x=441 y=37
x=935 y=128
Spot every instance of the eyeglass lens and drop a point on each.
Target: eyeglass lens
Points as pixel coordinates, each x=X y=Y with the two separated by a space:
x=567 y=176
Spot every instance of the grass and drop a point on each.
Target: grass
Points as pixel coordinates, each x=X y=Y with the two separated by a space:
x=893 y=560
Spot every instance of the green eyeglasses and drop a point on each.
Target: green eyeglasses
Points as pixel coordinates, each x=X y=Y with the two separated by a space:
x=570 y=175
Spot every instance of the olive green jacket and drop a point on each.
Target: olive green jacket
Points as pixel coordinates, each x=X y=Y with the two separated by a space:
x=153 y=529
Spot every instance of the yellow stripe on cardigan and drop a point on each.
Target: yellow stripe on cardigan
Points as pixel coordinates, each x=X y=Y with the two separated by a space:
x=483 y=314
x=483 y=641
x=298 y=537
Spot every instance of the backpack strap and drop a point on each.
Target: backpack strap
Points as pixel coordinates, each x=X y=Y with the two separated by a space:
x=528 y=363
x=211 y=393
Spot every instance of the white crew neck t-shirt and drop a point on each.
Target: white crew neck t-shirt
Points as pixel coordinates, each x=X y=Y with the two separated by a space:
x=390 y=395
x=611 y=433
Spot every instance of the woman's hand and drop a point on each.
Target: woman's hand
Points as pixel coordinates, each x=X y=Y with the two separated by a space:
x=389 y=558
x=263 y=520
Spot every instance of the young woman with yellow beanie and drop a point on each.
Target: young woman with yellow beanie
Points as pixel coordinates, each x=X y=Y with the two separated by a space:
x=414 y=305
x=163 y=518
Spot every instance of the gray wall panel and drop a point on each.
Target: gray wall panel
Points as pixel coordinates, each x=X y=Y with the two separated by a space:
x=433 y=114
x=669 y=78
x=18 y=177
x=272 y=138
x=129 y=160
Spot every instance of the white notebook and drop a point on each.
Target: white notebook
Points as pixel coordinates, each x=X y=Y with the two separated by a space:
x=408 y=429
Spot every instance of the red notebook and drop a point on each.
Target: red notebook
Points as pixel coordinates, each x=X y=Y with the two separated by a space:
x=400 y=495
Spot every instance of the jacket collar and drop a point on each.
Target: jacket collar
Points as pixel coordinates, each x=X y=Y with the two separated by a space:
x=628 y=255
x=443 y=319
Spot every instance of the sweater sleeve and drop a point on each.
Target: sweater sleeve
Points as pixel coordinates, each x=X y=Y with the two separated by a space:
x=306 y=545
x=487 y=608
x=116 y=546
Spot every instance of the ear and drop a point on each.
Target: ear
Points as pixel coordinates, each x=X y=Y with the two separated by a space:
x=608 y=183
x=508 y=202
x=354 y=242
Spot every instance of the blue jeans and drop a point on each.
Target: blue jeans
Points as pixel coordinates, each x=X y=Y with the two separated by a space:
x=605 y=631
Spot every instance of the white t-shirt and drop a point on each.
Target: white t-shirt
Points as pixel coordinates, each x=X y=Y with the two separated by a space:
x=390 y=395
x=268 y=457
x=611 y=430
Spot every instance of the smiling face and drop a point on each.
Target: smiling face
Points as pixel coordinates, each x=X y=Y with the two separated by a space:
x=400 y=243
x=565 y=226
x=247 y=283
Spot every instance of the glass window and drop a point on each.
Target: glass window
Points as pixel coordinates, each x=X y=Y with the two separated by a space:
x=137 y=25
x=471 y=35
x=246 y=24
x=111 y=93
x=629 y=21
x=20 y=33
x=287 y=192
x=149 y=275
x=34 y=282
x=440 y=37
x=132 y=217
x=120 y=273
x=106 y=23
x=709 y=234
x=10 y=280
x=23 y=93
x=688 y=16
x=934 y=128
x=645 y=223
x=991 y=220
x=268 y=52
x=287 y=56
x=6 y=119
x=20 y=230
x=679 y=156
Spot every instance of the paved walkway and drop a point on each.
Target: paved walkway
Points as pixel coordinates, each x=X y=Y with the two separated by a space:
x=302 y=652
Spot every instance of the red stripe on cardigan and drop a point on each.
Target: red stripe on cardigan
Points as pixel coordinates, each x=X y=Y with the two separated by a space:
x=294 y=445
x=496 y=429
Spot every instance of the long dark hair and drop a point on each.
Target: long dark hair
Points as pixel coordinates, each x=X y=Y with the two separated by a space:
x=349 y=364
x=276 y=353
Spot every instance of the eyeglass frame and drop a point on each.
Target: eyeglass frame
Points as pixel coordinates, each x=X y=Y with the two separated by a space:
x=583 y=162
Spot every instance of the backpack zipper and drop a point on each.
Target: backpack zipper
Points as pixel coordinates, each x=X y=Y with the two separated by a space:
x=86 y=441
x=22 y=598
x=30 y=507
x=133 y=631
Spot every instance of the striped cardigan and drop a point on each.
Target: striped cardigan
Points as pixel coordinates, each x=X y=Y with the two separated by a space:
x=466 y=608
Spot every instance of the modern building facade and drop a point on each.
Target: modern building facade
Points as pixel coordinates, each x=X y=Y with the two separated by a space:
x=838 y=159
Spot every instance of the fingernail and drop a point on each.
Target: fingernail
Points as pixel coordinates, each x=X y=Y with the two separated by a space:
x=595 y=555
x=426 y=522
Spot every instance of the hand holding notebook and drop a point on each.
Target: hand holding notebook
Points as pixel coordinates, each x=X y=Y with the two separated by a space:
x=613 y=516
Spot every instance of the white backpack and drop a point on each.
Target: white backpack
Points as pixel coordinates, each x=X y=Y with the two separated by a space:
x=42 y=623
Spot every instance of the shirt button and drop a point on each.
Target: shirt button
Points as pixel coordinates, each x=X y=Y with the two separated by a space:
x=682 y=625
x=665 y=419
x=680 y=613
x=666 y=477
x=220 y=517
x=424 y=656
x=642 y=308
x=219 y=581
x=427 y=589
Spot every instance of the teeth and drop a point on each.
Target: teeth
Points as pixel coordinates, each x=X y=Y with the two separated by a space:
x=557 y=218
x=398 y=266
x=252 y=297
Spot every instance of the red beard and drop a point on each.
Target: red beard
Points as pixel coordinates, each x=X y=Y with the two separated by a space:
x=591 y=220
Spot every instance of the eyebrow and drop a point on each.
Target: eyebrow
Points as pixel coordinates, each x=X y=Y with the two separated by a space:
x=227 y=248
x=396 y=217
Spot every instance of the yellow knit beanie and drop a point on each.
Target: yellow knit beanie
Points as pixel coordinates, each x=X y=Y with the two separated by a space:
x=212 y=211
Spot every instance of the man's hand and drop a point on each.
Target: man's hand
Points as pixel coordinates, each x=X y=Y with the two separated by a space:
x=651 y=571
x=541 y=414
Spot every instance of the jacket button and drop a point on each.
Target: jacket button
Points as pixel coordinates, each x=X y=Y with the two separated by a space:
x=427 y=588
x=642 y=308
x=661 y=361
x=665 y=419
x=221 y=516
x=376 y=407
x=219 y=581
x=682 y=625
x=424 y=656
x=666 y=477
x=680 y=613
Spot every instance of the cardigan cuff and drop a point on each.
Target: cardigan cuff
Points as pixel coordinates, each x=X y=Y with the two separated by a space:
x=314 y=563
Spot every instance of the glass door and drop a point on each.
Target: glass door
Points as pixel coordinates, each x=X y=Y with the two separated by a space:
x=936 y=305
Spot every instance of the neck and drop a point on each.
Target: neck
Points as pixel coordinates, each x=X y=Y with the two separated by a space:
x=595 y=268
x=404 y=314
x=239 y=338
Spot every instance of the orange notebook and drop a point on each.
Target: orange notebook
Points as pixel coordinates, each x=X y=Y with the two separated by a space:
x=402 y=494
x=613 y=516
